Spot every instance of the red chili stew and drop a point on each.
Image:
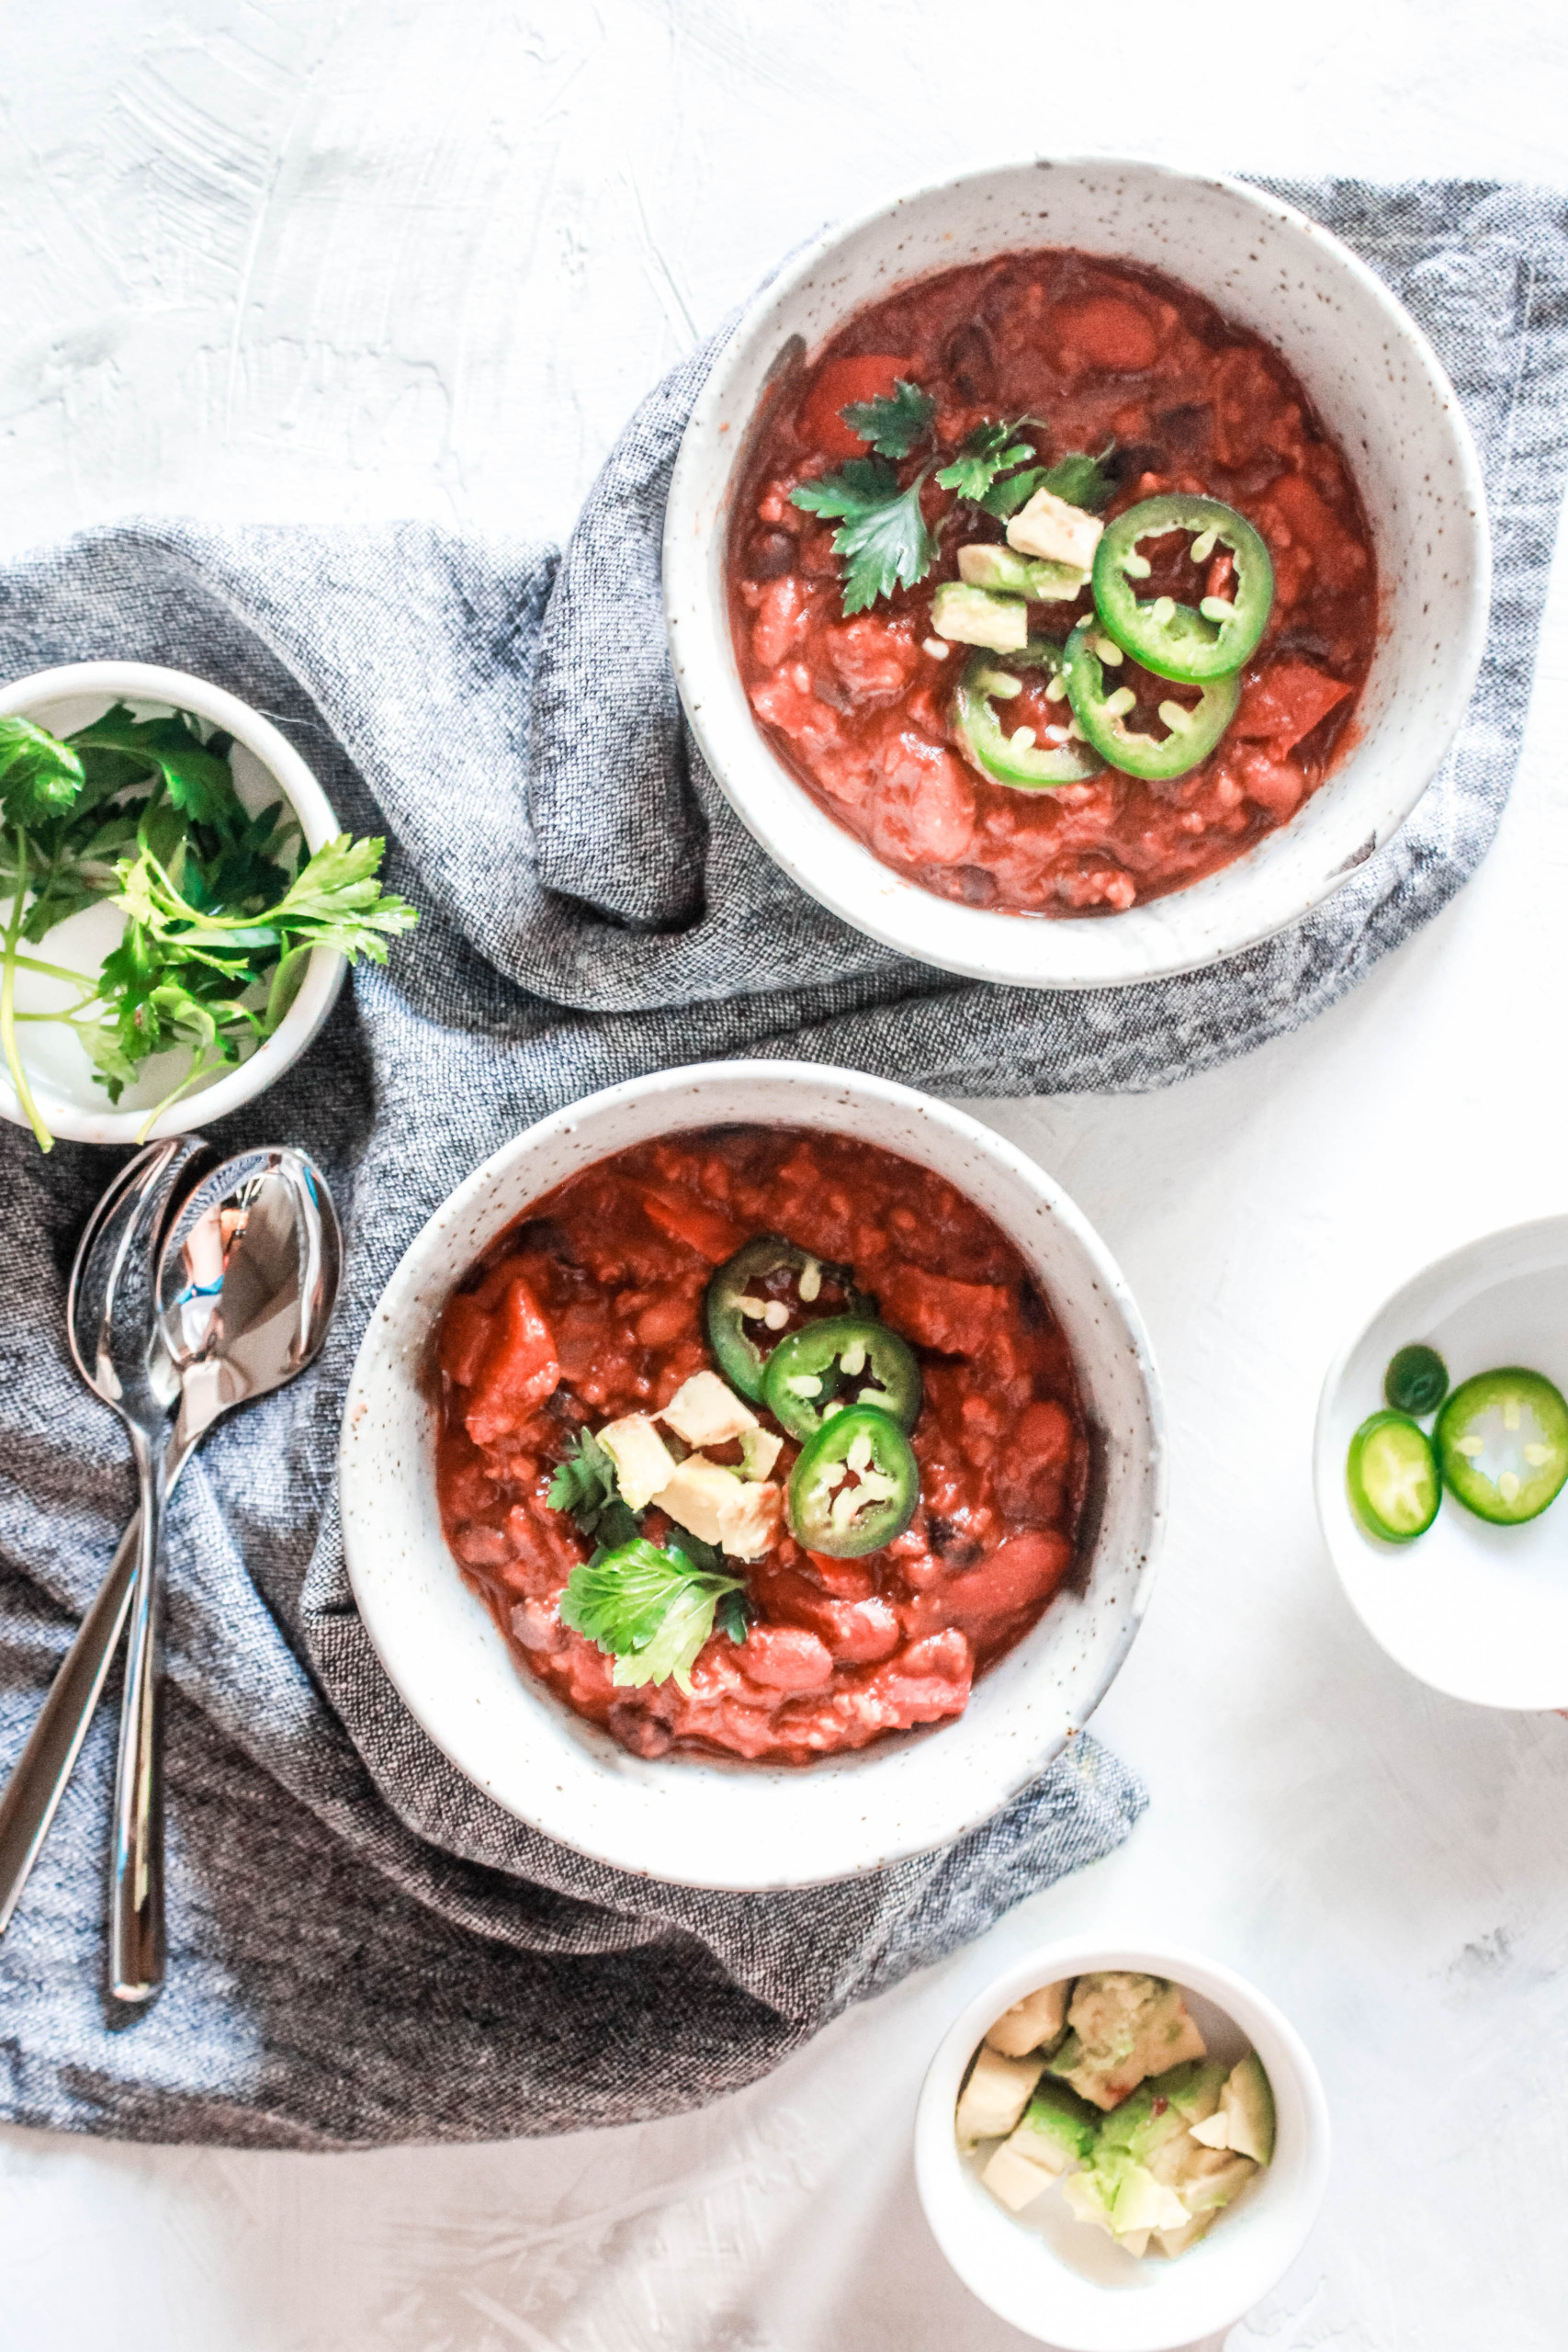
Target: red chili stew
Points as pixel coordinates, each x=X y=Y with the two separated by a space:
x=592 y=1308
x=1081 y=355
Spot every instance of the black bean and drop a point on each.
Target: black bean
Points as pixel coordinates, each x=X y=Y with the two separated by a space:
x=1187 y=428
x=971 y=362
x=770 y=555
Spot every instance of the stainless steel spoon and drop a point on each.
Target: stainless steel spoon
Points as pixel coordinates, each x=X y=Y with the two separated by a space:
x=111 y=1284
x=189 y=1342
x=247 y=1282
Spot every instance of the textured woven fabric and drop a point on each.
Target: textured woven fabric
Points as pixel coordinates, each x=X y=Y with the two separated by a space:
x=363 y=1947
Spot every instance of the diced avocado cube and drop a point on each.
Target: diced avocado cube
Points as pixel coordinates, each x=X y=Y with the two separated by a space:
x=1175 y=2241
x=1213 y=2178
x=1013 y=2180
x=1194 y=2087
x=1125 y=2027
x=1020 y=575
x=1162 y=2109
x=994 y=2096
x=1033 y=2023
x=1214 y=2130
x=1248 y=2105
x=973 y=616
x=1136 y=2199
x=1053 y=527
x=1057 y=2128
x=1088 y=2198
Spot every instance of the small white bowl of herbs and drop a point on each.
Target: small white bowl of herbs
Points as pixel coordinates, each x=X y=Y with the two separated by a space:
x=177 y=905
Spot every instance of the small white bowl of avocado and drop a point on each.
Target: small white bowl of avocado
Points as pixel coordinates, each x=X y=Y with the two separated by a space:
x=1121 y=2149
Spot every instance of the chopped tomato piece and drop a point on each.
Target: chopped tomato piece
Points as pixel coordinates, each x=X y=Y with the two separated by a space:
x=955 y=1317
x=712 y=1235
x=841 y=381
x=466 y=1334
x=1110 y=333
x=1284 y=702
x=519 y=1371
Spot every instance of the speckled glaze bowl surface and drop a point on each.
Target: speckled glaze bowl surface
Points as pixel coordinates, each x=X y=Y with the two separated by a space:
x=265 y=767
x=706 y=1822
x=1381 y=395
x=1065 y=2285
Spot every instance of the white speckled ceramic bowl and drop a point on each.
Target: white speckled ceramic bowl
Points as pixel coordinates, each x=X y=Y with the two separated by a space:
x=1382 y=396
x=1478 y=1612
x=713 y=1824
x=1064 y=2283
x=264 y=767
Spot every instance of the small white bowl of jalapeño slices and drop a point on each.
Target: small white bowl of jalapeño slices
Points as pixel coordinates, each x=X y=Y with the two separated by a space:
x=1441 y=1461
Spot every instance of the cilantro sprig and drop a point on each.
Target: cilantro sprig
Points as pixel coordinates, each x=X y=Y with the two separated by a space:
x=895 y=423
x=1081 y=479
x=650 y=1607
x=986 y=469
x=883 y=538
x=585 y=1484
x=143 y=814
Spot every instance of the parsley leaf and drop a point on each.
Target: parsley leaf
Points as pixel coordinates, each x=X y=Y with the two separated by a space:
x=39 y=777
x=144 y=813
x=650 y=1607
x=989 y=450
x=885 y=539
x=1005 y=497
x=585 y=1484
x=735 y=1615
x=1081 y=479
x=585 y=1481
x=195 y=777
x=895 y=423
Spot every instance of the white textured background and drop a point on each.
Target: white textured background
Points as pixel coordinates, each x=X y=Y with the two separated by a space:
x=308 y=258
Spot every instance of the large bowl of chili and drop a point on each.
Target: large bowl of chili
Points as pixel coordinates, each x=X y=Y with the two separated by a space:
x=489 y=1670
x=995 y=805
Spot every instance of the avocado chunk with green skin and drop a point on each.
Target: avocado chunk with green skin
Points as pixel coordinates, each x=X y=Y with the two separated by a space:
x=1131 y=2196
x=1163 y=2109
x=1247 y=2104
x=1035 y=576
x=975 y=617
x=1058 y=2128
x=1124 y=2026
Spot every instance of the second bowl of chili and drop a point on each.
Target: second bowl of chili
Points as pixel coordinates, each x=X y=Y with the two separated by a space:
x=762 y=1774
x=989 y=486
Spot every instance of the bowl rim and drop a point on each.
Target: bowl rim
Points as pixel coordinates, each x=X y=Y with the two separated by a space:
x=1538 y=1241
x=853 y=882
x=548 y=1808
x=939 y=2171
x=152 y=682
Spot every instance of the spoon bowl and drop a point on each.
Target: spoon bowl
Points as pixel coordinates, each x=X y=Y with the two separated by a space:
x=203 y=1301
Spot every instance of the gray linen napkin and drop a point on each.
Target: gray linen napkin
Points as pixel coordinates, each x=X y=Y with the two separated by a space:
x=364 y=1948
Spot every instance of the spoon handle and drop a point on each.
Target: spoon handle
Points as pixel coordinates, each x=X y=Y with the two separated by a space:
x=136 y=1870
x=29 y=1800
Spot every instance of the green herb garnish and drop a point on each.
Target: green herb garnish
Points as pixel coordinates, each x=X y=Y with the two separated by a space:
x=883 y=539
x=987 y=454
x=651 y=1608
x=585 y=1484
x=1082 y=481
x=894 y=423
x=143 y=814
